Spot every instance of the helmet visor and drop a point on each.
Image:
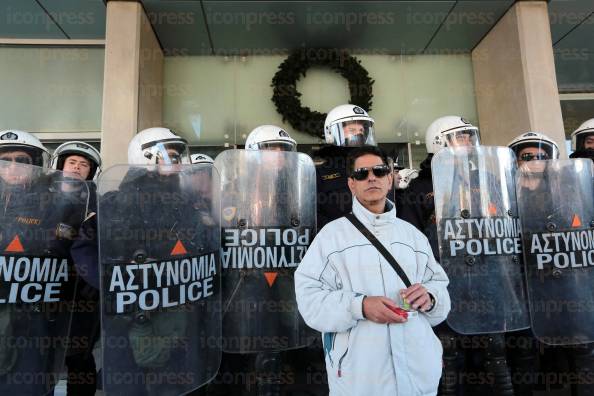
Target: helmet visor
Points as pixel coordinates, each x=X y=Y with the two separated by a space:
x=16 y=168
x=352 y=133
x=536 y=150
x=78 y=148
x=173 y=153
x=463 y=138
x=38 y=157
x=277 y=146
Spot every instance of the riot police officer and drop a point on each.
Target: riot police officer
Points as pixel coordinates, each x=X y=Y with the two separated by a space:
x=416 y=205
x=80 y=160
x=270 y=137
x=551 y=197
x=346 y=126
x=582 y=140
x=267 y=190
x=39 y=222
x=18 y=142
x=523 y=348
x=475 y=185
x=161 y=325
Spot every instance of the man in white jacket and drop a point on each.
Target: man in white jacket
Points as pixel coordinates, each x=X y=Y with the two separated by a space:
x=347 y=290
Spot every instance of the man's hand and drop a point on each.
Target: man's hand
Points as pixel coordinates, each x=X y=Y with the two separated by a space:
x=376 y=309
x=417 y=296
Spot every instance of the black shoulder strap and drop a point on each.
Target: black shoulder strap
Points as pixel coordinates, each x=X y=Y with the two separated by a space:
x=378 y=245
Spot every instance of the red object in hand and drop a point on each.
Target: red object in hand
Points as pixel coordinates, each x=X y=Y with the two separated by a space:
x=398 y=311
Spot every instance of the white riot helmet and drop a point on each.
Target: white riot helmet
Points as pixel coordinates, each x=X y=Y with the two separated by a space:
x=537 y=140
x=267 y=137
x=406 y=175
x=579 y=136
x=13 y=140
x=450 y=131
x=349 y=125
x=77 y=148
x=201 y=159
x=157 y=145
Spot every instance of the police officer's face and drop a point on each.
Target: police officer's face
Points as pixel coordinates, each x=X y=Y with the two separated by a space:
x=461 y=139
x=272 y=156
x=276 y=148
x=353 y=128
x=532 y=153
x=527 y=155
x=373 y=188
x=172 y=165
x=14 y=170
x=174 y=158
x=77 y=167
x=589 y=142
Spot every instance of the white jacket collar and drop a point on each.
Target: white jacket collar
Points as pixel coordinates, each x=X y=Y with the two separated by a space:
x=367 y=217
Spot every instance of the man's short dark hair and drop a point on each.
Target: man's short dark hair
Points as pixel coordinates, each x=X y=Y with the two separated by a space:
x=361 y=151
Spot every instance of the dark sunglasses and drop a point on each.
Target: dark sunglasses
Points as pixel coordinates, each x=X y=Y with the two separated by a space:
x=21 y=159
x=378 y=171
x=537 y=156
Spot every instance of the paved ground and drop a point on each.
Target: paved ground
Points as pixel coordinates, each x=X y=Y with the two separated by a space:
x=61 y=391
x=61 y=387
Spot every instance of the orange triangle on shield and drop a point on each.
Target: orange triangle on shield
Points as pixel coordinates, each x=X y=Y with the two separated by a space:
x=270 y=277
x=576 y=222
x=179 y=249
x=492 y=209
x=15 y=246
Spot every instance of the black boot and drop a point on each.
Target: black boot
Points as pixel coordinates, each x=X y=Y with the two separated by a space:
x=522 y=352
x=268 y=369
x=583 y=366
x=82 y=375
x=449 y=384
x=496 y=366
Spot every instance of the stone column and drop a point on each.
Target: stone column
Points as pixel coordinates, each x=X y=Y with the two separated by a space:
x=133 y=79
x=515 y=81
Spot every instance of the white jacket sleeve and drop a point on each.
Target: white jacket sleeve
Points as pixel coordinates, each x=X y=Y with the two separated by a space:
x=436 y=282
x=324 y=306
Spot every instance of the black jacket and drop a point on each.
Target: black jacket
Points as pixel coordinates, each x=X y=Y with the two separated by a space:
x=583 y=154
x=334 y=198
x=415 y=204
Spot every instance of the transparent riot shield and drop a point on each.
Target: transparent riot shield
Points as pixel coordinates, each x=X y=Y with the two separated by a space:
x=159 y=244
x=268 y=209
x=41 y=211
x=479 y=238
x=555 y=200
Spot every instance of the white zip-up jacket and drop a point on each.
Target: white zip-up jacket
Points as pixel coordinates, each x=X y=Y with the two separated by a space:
x=341 y=266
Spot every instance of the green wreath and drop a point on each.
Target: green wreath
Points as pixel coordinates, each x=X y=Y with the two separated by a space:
x=287 y=100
